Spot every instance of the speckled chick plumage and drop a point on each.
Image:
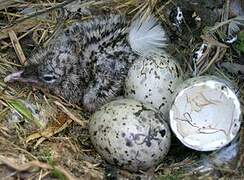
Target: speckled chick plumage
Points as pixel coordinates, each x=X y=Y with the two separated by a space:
x=87 y=63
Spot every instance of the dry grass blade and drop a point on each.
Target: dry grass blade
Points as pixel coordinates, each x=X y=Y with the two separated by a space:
x=32 y=164
x=72 y=116
x=236 y=21
x=213 y=42
x=92 y=171
x=22 y=36
x=6 y=3
x=219 y=54
x=17 y=47
x=204 y=63
x=19 y=28
x=34 y=14
x=5 y=132
x=4 y=142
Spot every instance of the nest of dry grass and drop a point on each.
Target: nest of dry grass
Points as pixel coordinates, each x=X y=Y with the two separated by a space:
x=49 y=138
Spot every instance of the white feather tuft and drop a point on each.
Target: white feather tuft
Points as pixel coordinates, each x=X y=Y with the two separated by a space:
x=147 y=36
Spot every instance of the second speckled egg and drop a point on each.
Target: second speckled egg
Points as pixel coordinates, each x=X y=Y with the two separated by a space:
x=153 y=80
x=130 y=134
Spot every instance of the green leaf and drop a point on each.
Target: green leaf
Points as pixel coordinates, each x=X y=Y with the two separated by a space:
x=20 y=107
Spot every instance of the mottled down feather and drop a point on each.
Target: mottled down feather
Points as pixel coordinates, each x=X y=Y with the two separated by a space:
x=88 y=62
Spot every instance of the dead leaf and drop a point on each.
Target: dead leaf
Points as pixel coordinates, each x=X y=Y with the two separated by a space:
x=57 y=126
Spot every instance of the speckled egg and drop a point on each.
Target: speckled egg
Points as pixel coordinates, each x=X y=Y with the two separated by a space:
x=153 y=80
x=130 y=134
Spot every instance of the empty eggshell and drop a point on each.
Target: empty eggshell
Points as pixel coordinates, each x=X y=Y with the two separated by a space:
x=206 y=113
x=153 y=80
x=130 y=134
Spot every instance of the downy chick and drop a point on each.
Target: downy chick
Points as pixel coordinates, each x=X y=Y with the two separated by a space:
x=88 y=62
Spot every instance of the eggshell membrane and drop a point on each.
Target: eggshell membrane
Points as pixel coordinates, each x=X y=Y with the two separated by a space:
x=205 y=114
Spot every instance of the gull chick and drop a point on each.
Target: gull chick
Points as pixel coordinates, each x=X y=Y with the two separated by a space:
x=88 y=61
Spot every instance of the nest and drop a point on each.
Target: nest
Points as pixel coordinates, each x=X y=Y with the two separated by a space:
x=46 y=137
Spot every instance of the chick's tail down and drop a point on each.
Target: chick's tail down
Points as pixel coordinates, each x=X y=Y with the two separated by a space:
x=147 y=36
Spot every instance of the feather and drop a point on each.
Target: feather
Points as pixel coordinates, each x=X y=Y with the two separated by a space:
x=147 y=36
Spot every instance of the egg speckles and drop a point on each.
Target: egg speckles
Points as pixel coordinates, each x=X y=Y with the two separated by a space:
x=130 y=134
x=153 y=80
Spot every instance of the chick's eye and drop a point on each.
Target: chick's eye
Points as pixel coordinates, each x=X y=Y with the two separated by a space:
x=49 y=78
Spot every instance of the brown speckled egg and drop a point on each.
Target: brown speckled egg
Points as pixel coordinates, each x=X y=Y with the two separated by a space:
x=130 y=134
x=153 y=80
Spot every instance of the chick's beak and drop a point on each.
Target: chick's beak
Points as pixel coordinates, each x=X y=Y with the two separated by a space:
x=13 y=77
x=17 y=76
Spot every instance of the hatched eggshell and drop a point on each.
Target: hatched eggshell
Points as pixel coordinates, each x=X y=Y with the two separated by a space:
x=205 y=114
x=153 y=80
x=130 y=134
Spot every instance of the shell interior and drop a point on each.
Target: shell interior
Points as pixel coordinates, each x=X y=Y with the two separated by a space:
x=206 y=115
